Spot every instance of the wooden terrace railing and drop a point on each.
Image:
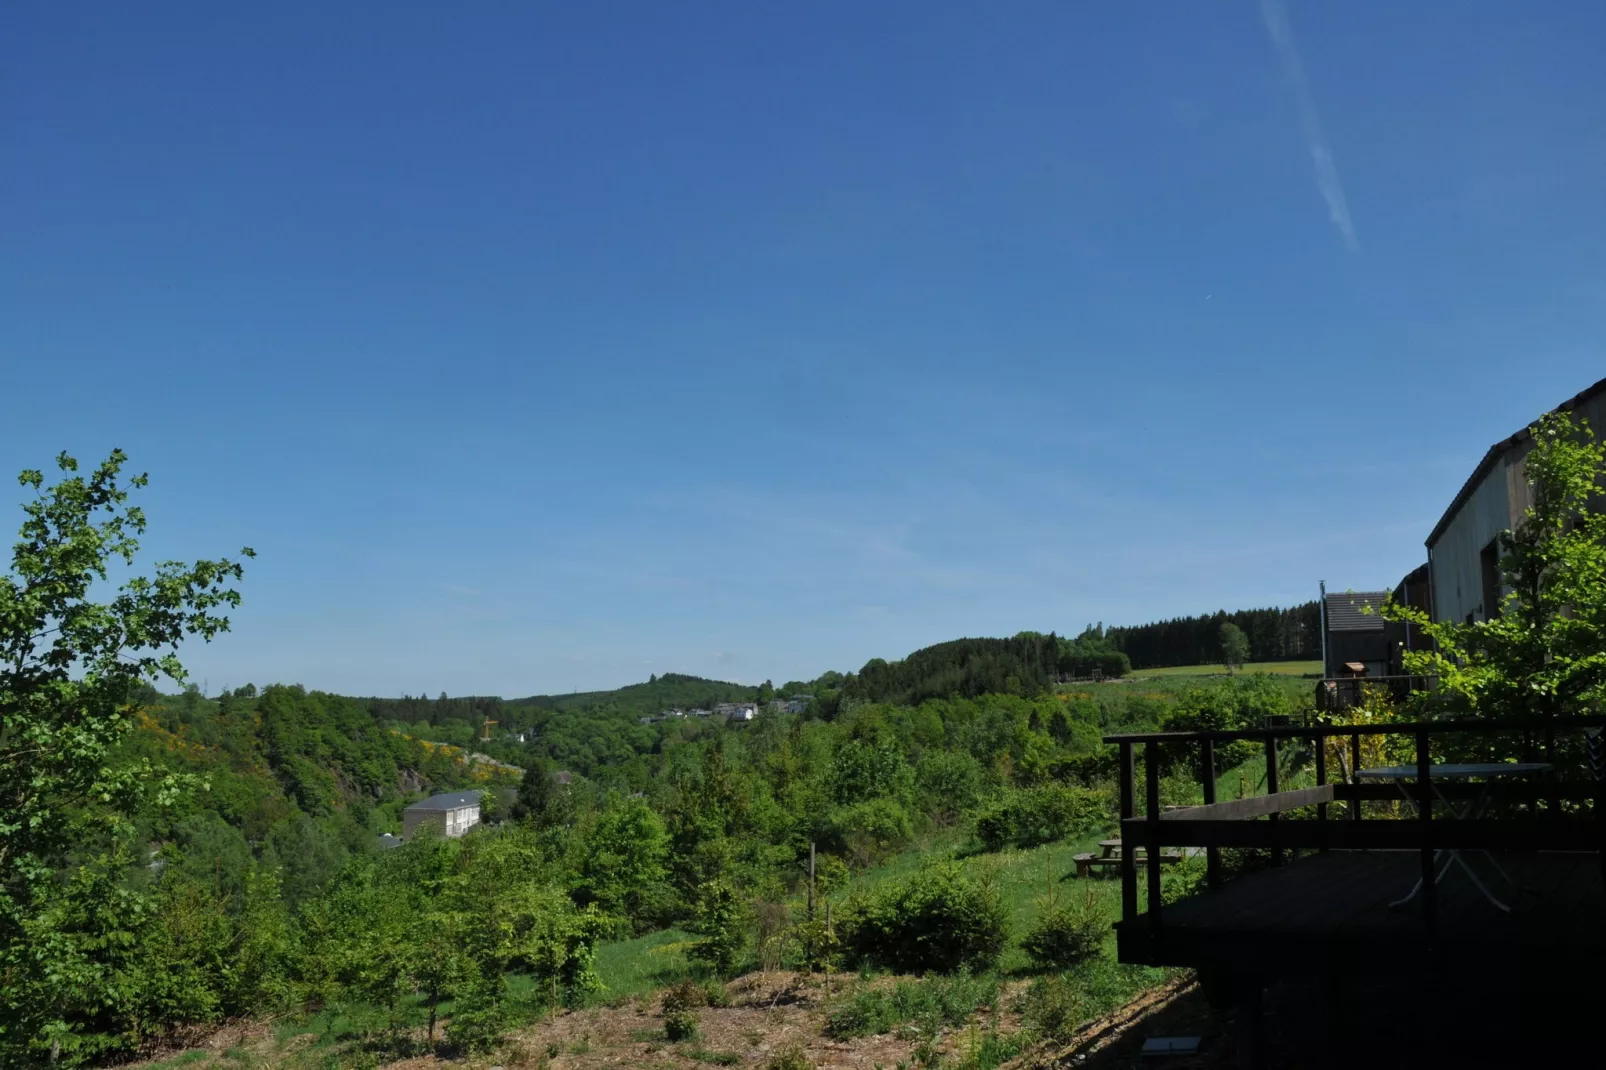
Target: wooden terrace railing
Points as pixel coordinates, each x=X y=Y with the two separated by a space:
x=1548 y=824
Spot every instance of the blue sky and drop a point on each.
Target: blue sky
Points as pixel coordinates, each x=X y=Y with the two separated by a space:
x=545 y=346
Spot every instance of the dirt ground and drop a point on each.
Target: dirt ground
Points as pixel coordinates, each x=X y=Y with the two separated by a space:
x=767 y=1014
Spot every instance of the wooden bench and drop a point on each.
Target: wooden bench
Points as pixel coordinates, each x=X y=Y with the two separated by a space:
x=1111 y=856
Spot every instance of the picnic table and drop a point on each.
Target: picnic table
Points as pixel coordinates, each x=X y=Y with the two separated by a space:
x=1110 y=855
x=1485 y=772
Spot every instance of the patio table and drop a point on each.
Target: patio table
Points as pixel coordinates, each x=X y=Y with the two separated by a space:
x=1486 y=773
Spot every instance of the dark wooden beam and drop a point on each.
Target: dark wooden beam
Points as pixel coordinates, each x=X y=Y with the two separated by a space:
x=1423 y=791
x=1151 y=777
x=1569 y=724
x=1129 y=867
x=1207 y=759
x=1516 y=834
x=1271 y=789
x=1321 y=773
x=1511 y=790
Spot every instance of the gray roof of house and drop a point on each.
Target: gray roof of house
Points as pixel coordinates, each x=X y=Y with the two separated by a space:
x=455 y=800
x=1345 y=611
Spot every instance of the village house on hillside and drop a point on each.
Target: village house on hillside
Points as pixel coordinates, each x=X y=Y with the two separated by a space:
x=454 y=812
x=736 y=711
x=1463 y=549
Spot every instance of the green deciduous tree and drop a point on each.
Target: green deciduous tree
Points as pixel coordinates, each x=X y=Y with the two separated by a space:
x=1234 y=646
x=624 y=870
x=68 y=666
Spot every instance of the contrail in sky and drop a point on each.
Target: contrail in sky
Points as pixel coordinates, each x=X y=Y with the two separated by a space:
x=1282 y=39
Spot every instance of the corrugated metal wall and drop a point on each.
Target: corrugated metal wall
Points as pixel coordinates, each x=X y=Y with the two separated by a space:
x=1494 y=506
x=1457 y=576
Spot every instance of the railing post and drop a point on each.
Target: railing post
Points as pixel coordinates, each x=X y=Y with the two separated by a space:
x=1355 y=767
x=1321 y=774
x=1207 y=761
x=1424 y=813
x=1129 y=873
x=1552 y=800
x=1151 y=770
x=1272 y=789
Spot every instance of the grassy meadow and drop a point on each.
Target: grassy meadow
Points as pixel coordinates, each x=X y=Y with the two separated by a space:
x=1312 y=669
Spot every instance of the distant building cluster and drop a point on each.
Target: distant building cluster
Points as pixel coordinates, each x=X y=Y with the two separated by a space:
x=730 y=711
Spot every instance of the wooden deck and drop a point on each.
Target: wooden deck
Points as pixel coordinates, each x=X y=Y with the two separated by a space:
x=1329 y=912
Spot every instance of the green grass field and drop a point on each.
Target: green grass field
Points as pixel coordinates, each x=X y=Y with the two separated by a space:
x=636 y=967
x=1275 y=668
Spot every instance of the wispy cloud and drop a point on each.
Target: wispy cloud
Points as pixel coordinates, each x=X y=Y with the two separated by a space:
x=1321 y=154
x=458 y=588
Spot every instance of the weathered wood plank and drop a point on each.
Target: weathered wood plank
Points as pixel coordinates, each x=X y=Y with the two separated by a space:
x=1254 y=806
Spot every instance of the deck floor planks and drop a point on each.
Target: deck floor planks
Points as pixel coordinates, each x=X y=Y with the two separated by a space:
x=1297 y=900
x=1336 y=904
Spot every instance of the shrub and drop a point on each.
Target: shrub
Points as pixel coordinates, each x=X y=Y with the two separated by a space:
x=721 y=921
x=1053 y=1008
x=790 y=1057
x=817 y=944
x=1042 y=814
x=932 y=1003
x=863 y=1012
x=940 y=919
x=1066 y=935
x=680 y=1025
x=478 y=1017
x=685 y=996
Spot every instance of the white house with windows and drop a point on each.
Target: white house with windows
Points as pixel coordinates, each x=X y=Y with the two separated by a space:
x=455 y=813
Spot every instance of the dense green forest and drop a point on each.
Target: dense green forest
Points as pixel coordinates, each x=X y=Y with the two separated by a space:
x=262 y=889
x=1293 y=634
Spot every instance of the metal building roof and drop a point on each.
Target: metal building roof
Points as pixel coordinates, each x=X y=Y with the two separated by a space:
x=1494 y=453
x=1346 y=611
x=455 y=800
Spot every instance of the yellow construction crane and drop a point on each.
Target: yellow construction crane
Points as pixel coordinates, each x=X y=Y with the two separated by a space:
x=486 y=734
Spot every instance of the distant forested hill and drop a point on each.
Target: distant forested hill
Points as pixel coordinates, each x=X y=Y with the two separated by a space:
x=1024 y=665
x=581 y=732
x=671 y=690
x=297 y=778
x=1292 y=634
